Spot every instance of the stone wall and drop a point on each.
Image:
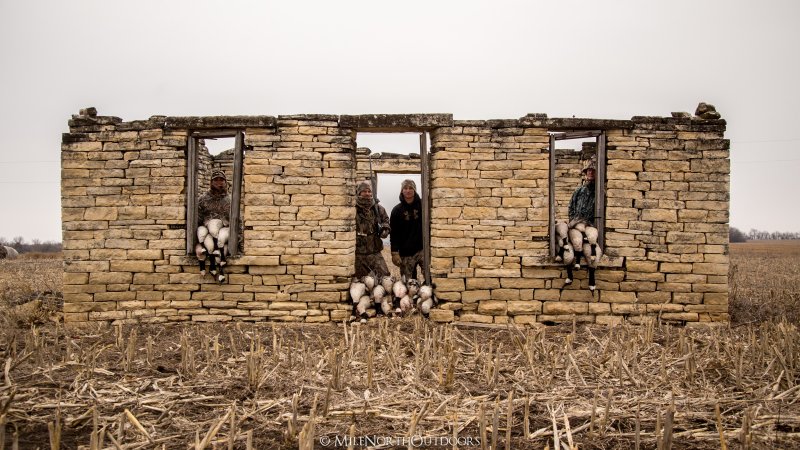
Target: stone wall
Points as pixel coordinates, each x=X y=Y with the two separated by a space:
x=124 y=211
x=666 y=223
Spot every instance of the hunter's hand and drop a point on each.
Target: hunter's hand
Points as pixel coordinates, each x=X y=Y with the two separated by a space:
x=396 y=259
x=384 y=232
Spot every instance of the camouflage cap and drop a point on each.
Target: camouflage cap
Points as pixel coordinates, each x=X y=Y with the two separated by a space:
x=589 y=164
x=409 y=183
x=364 y=185
x=219 y=174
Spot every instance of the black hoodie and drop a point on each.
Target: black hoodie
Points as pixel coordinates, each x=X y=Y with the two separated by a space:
x=406 y=223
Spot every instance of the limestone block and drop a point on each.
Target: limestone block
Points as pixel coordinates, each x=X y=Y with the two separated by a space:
x=476 y=318
x=75 y=278
x=132 y=266
x=524 y=307
x=107 y=315
x=211 y=318
x=710 y=287
x=685 y=237
x=617 y=297
x=505 y=294
x=599 y=308
x=627 y=308
x=110 y=278
x=687 y=298
x=686 y=278
x=710 y=268
x=641 y=266
x=576 y=295
x=474 y=296
x=497 y=273
x=625 y=165
x=565 y=307
x=547 y=294
x=441 y=315
x=609 y=320
x=449 y=284
x=150 y=278
x=479 y=213
x=682 y=316
x=660 y=215
x=643 y=276
x=493 y=307
x=637 y=286
x=668 y=267
x=655 y=297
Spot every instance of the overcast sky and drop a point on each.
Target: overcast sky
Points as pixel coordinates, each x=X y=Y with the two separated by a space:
x=474 y=59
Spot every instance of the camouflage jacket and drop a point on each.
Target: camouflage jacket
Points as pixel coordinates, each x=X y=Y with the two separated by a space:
x=213 y=206
x=368 y=235
x=581 y=206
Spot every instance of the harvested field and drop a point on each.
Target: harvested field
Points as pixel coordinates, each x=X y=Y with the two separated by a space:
x=312 y=386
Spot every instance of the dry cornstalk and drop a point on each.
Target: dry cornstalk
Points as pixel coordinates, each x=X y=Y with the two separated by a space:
x=135 y=422
x=607 y=412
x=638 y=438
x=722 y=444
x=495 y=423
x=482 y=425
x=526 y=423
x=352 y=437
x=509 y=419
x=54 y=430
x=668 y=423
x=130 y=351
x=568 y=432
x=212 y=432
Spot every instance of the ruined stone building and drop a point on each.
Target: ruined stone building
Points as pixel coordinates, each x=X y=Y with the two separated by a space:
x=494 y=189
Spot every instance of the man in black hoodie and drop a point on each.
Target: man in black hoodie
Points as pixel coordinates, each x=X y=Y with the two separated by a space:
x=406 y=237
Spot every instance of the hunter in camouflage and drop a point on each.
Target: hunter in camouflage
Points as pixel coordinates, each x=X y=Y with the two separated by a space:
x=216 y=203
x=372 y=225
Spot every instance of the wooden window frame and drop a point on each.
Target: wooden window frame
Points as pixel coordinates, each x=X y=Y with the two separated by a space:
x=192 y=189
x=600 y=180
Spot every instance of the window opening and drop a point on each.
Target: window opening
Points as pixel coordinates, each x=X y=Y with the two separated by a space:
x=209 y=151
x=577 y=146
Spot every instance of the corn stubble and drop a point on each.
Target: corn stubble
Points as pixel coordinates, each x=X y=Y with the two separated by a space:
x=285 y=386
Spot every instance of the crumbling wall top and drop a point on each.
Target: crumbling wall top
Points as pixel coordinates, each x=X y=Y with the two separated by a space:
x=215 y=122
x=395 y=122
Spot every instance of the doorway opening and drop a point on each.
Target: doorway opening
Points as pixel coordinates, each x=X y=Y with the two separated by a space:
x=386 y=160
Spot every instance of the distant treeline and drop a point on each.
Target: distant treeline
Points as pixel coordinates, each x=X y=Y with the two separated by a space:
x=737 y=235
x=35 y=246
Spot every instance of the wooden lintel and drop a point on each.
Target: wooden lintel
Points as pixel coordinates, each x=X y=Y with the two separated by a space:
x=211 y=134
x=576 y=134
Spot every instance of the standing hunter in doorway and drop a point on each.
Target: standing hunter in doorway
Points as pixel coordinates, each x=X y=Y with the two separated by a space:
x=406 y=239
x=372 y=225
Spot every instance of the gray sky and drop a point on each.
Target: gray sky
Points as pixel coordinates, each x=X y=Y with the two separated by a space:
x=474 y=59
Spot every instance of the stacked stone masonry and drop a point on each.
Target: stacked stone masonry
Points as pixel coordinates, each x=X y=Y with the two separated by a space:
x=124 y=206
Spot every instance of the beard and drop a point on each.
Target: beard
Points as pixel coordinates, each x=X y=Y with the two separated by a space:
x=218 y=192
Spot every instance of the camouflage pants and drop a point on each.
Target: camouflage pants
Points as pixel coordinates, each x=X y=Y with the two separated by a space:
x=408 y=265
x=371 y=262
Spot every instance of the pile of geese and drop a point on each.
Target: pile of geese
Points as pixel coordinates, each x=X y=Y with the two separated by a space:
x=372 y=295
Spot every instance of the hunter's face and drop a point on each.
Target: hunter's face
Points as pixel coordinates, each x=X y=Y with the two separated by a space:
x=589 y=175
x=366 y=194
x=408 y=194
x=218 y=183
